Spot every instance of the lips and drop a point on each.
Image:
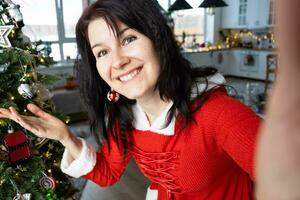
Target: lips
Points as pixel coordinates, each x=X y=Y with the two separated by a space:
x=130 y=75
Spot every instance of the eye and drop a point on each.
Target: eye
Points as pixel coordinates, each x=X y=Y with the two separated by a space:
x=102 y=53
x=128 y=40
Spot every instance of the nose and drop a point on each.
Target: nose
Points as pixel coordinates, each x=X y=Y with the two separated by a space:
x=119 y=60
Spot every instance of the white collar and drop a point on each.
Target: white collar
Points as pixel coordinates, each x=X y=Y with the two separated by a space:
x=140 y=119
x=141 y=122
x=214 y=80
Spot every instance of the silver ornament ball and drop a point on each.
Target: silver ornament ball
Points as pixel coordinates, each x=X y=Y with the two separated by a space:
x=25 y=90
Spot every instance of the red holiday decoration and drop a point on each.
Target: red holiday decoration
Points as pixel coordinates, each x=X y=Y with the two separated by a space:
x=248 y=60
x=17 y=146
x=113 y=96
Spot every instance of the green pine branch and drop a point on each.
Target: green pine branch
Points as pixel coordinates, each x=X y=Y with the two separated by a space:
x=19 y=64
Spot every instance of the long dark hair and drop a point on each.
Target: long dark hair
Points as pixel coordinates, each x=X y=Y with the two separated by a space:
x=175 y=81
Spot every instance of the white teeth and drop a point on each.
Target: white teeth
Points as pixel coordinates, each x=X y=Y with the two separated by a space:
x=130 y=76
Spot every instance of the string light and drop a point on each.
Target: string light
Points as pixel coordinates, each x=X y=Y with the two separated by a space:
x=240 y=39
x=12 y=33
x=234 y=39
x=12 y=98
x=67 y=120
x=48 y=154
x=2 y=147
x=27 y=75
x=2 y=122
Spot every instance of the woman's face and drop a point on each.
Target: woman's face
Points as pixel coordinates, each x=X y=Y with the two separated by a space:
x=129 y=64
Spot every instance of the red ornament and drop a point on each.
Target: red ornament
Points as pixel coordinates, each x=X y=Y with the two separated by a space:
x=17 y=146
x=113 y=96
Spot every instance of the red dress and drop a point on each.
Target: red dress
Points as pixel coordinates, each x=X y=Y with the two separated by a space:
x=212 y=158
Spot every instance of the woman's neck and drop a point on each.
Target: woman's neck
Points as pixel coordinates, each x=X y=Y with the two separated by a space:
x=153 y=107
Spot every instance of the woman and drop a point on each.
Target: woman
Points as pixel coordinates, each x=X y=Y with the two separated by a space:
x=186 y=135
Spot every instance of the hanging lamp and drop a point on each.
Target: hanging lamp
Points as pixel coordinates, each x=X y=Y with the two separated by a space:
x=210 y=5
x=179 y=5
x=162 y=10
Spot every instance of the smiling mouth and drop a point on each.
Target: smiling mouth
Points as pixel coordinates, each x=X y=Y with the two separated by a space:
x=131 y=75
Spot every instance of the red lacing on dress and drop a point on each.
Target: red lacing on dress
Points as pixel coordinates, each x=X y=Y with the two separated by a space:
x=158 y=167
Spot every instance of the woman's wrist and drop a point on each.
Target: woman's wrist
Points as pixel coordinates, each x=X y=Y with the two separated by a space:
x=72 y=143
x=66 y=137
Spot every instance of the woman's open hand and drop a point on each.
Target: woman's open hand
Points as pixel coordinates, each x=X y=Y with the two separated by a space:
x=42 y=124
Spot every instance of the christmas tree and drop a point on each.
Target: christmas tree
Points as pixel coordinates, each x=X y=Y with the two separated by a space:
x=29 y=166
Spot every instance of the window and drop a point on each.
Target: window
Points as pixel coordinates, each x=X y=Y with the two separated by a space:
x=272 y=14
x=53 y=22
x=189 y=25
x=243 y=12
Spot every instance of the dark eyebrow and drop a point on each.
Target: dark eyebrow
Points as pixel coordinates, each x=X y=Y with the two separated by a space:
x=124 y=30
x=120 y=33
x=96 y=45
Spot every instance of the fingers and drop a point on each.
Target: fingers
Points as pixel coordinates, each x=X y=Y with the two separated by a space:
x=4 y=113
x=38 y=111
x=32 y=124
x=19 y=118
x=15 y=115
x=10 y=113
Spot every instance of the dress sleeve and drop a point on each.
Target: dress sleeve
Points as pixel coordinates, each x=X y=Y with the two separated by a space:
x=83 y=164
x=109 y=165
x=236 y=132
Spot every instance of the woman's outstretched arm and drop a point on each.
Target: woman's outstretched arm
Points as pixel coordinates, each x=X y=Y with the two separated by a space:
x=45 y=125
x=278 y=155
